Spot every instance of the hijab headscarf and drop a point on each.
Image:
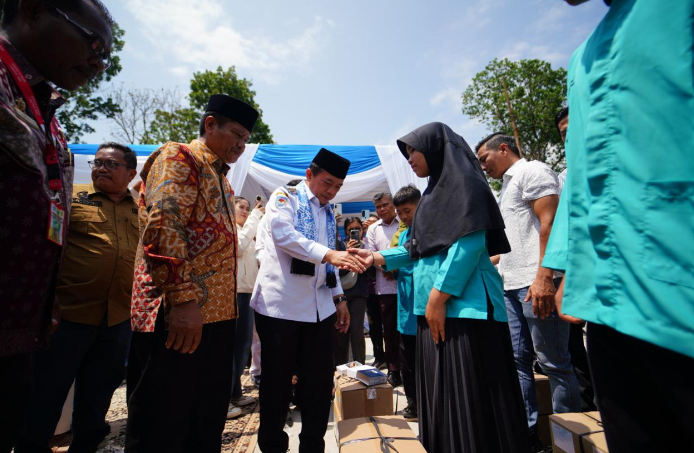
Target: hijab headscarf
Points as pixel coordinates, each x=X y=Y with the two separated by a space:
x=457 y=200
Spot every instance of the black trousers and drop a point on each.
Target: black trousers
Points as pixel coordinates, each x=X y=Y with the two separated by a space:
x=93 y=356
x=408 y=353
x=373 y=312
x=354 y=337
x=16 y=384
x=389 y=317
x=288 y=345
x=579 y=360
x=644 y=393
x=180 y=401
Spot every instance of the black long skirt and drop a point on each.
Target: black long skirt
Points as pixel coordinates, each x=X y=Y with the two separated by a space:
x=468 y=391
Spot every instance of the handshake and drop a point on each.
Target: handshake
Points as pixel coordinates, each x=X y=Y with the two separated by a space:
x=353 y=260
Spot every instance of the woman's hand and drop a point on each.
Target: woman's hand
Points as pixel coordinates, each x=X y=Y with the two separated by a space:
x=436 y=314
x=260 y=207
x=369 y=257
x=352 y=244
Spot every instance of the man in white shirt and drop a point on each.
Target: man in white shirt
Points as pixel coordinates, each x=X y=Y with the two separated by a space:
x=378 y=238
x=528 y=203
x=296 y=298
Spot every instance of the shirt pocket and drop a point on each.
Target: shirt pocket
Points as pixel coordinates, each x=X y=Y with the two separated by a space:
x=668 y=226
x=89 y=222
x=133 y=232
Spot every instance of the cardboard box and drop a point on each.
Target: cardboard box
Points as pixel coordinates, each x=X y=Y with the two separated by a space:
x=543 y=393
x=595 y=443
x=569 y=430
x=360 y=435
x=353 y=399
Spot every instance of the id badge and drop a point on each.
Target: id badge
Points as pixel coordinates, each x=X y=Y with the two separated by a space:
x=56 y=223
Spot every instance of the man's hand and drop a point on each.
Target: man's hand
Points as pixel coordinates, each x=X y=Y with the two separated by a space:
x=436 y=314
x=558 y=298
x=345 y=261
x=342 y=323
x=185 y=328
x=541 y=292
x=369 y=258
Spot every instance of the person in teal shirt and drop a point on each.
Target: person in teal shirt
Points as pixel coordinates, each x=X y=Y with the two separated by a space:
x=624 y=228
x=405 y=202
x=468 y=394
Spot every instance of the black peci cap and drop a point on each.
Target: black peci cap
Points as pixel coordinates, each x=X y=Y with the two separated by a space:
x=234 y=109
x=336 y=165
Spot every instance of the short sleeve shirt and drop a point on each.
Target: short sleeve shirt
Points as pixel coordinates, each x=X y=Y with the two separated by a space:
x=523 y=182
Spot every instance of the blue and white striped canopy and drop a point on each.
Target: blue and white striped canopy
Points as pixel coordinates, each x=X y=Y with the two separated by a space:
x=263 y=168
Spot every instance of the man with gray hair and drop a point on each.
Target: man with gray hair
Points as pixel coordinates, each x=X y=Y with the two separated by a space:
x=378 y=237
x=528 y=202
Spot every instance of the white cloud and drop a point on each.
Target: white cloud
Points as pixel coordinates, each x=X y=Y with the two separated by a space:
x=450 y=94
x=553 y=19
x=199 y=35
x=523 y=49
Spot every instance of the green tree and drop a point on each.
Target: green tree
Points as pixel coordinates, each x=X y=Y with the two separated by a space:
x=182 y=124
x=536 y=91
x=88 y=102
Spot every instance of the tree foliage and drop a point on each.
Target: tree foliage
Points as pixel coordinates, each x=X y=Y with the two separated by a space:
x=89 y=102
x=536 y=91
x=182 y=124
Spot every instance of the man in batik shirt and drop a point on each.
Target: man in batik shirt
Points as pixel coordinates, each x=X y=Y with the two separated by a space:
x=184 y=291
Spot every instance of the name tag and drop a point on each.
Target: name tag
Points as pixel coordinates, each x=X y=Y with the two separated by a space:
x=56 y=223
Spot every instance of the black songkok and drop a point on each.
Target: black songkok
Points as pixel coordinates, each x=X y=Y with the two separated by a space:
x=234 y=109
x=336 y=165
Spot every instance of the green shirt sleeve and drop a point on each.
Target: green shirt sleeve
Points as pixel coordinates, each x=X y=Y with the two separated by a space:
x=460 y=262
x=556 y=253
x=395 y=258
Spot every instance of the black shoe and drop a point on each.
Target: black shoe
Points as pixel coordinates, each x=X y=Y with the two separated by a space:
x=379 y=364
x=394 y=379
x=410 y=414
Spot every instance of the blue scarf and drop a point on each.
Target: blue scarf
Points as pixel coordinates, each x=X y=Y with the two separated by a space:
x=306 y=225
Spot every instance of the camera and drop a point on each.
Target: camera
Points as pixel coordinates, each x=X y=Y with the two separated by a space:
x=337 y=209
x=365 y=213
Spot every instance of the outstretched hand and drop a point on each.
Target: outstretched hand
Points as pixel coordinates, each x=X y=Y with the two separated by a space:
x=345 y=261
x=365 y=255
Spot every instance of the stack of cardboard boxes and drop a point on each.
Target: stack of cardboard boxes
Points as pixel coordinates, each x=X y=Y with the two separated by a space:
x=544 y=408
x=567 y=433
x=363 y=414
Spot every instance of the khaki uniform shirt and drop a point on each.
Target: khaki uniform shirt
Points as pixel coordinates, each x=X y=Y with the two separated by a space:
x=97 y=275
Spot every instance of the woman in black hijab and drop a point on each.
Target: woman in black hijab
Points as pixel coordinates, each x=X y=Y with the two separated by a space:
x=467 y=386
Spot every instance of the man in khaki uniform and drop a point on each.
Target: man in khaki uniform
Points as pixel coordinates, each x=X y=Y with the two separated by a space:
x=94 y=288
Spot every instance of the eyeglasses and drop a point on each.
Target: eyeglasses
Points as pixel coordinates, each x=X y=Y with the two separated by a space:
x=97 y=43
x=109 y=164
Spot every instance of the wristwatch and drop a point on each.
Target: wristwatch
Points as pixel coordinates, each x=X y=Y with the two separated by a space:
x=340 y=299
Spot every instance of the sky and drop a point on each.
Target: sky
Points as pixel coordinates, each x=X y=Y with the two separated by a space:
x=330 y=72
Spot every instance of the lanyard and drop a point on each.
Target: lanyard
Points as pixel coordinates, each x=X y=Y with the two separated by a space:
x=50 y=153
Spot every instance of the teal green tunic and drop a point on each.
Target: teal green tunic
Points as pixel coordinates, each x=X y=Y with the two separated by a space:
x=624 y=230
x=407 y=320
x=463 y=270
